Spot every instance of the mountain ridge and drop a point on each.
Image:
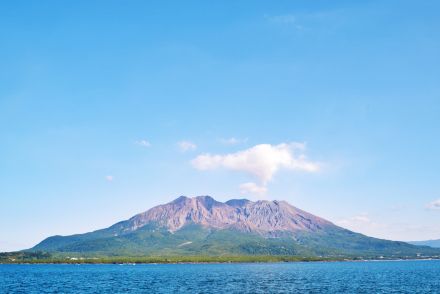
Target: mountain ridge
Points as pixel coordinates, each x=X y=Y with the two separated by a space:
x=434 y=243
x=204 y=226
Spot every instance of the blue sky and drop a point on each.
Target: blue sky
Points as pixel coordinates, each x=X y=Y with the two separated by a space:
x=107 y=106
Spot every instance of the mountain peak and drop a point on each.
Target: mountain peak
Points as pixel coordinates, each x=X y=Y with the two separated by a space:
x=180 y=199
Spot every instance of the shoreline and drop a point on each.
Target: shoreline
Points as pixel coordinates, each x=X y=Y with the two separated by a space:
x=162 y=262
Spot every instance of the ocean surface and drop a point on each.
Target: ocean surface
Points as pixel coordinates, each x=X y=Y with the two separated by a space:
x=300 y=277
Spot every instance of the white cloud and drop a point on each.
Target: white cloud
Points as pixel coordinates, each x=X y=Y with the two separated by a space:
x=261 y=161
x=143 y=143
x=109 y=178
x=233 y=141
x=252 y=188
x=185 y=146
x=434 y=205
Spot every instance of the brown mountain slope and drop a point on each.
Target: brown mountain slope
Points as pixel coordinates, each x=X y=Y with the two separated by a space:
x=263 y=217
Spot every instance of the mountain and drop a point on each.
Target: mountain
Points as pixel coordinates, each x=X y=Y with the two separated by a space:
x=430 y=243
x=204 y=226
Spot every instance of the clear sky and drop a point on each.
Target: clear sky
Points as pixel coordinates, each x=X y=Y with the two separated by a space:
x=108 y=108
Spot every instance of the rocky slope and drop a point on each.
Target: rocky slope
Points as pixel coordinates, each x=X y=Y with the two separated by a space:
x=266 y=218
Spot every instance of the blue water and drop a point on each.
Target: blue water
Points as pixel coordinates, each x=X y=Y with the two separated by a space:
x=313 y=277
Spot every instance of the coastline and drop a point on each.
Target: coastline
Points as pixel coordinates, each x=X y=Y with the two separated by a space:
x=205 y=260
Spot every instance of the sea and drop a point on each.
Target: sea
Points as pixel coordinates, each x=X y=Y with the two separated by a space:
x=421 y=276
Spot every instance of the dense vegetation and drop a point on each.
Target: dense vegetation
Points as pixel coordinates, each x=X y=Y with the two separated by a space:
x=47 y=258
x=195 y=240
x=40 y=257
